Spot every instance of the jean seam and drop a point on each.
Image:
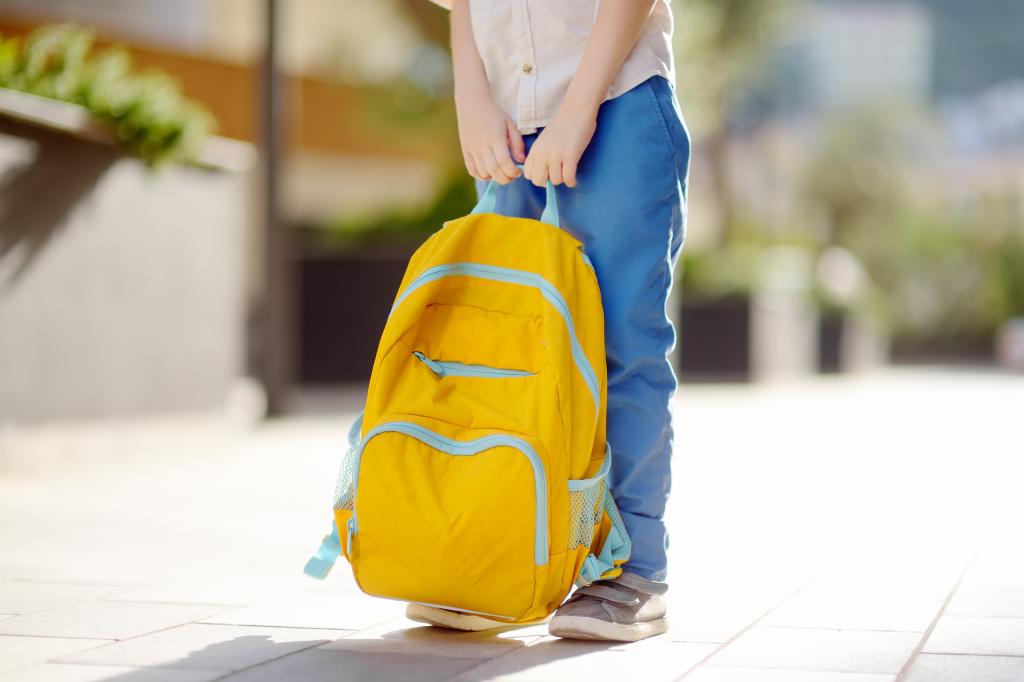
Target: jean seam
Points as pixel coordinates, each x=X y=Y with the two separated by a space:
x=664 y=125
x=672 y=141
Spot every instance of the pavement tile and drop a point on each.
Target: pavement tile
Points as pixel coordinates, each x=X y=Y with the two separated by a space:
x=20 y=652
x=65 y=672
x=712 y=620
x=870 y=612
x=320 y=665
x=998 y=568
x=559 y=660
x=20 y=597
x=961 y=668
x=819 y=650
x=316 y=610
x=104 y=620
x=975 y=635
x=404 y=636
x=711 y=674
x=206 y=647
x=234 y=591
x=996 y=602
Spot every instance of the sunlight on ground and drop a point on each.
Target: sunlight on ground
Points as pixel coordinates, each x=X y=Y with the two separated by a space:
x=849 y=506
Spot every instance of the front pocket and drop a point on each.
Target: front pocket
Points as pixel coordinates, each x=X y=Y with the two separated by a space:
x=460 y=523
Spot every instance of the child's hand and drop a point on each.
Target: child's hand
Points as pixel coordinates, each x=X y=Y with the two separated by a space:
x=487 y=135
x=557 y=151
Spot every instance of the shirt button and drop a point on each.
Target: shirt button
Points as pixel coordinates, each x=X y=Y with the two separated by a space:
x=527 y=68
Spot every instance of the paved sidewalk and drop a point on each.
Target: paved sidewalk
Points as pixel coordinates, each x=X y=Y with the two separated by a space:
x=846 y=530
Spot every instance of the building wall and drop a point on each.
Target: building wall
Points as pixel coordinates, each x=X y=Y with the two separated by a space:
x=869 y=51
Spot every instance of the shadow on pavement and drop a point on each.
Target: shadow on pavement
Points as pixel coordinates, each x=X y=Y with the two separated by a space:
x=421 y=653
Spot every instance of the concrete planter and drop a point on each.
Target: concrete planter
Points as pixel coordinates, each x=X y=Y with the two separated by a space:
x=121 y=289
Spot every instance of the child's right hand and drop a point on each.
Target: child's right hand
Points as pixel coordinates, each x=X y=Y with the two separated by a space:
x=491 y=143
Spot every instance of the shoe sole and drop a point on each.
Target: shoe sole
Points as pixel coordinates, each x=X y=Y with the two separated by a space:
x=464 y=622
x=581 y=627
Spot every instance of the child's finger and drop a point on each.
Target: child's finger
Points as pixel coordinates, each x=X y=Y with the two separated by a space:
x=528 y=167
x=481 y=167
x=555 y=172
x=515 y=142
x=505 y=161
x=569 y=172
x=494 y=168
x=540 y=173
x=471 y=166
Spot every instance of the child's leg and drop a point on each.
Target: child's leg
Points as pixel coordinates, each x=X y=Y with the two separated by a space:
x=629 y=212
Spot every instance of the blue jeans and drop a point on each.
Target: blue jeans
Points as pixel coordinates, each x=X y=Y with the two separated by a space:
x=629 y=210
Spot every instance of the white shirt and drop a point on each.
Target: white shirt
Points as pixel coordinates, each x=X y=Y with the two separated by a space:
x=532 y=48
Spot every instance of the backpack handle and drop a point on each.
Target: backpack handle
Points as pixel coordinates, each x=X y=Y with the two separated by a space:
x=489 y=199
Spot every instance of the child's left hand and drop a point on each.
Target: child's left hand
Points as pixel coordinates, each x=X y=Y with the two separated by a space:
x=557 y=151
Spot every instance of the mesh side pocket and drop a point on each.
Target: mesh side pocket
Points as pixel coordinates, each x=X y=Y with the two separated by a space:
x=344 y=492
x=584 y=513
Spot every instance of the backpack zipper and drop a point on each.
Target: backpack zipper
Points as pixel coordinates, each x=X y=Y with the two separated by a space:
x=448 y=368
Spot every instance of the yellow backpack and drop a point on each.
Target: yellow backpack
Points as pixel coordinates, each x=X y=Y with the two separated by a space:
x=477 y=476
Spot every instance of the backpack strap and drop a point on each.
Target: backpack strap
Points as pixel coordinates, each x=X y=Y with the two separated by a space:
x=489 y=199
x=321 y=563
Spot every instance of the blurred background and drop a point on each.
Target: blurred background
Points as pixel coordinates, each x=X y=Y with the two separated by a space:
x=213 y=201
x=206 y=207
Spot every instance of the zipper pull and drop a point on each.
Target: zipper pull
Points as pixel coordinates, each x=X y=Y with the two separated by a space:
x=434 y=367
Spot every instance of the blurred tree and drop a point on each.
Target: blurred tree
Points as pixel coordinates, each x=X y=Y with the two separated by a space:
x=720 y=47
x=857 y=172
x=951 y=269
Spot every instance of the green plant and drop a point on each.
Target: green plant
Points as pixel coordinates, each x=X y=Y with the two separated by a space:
x=150 y=115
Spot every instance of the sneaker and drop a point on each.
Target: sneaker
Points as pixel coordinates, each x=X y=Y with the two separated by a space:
x=457 y=620
x=624 y=609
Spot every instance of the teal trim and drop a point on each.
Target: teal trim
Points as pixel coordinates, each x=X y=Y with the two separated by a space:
x=469 y=448
x=323 y=561
x=524 y=278
x=355 y=431
x=447 y=368
x=587 y=483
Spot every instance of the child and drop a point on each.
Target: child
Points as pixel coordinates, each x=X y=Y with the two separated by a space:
x=580 y=93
